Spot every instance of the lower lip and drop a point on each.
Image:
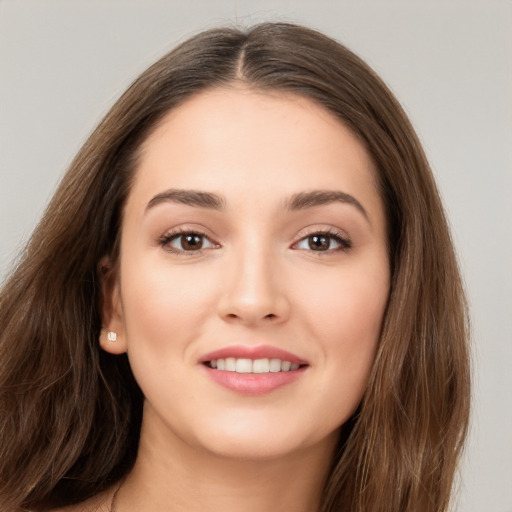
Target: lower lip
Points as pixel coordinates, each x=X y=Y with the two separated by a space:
x=253 y=383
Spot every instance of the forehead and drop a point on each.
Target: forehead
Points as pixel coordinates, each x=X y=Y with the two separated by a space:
x=275 y=143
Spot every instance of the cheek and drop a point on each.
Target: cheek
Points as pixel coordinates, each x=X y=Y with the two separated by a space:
x=345 y=313
x=349 y=305
x=157 y=293
x=164 y=309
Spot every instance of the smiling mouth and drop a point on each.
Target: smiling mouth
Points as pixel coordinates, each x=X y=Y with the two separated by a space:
x=254 y=366
x=253 y=370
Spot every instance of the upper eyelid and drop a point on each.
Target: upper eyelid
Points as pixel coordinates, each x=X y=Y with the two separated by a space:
x=183 y=230
x=329 y=231
x=172 y=235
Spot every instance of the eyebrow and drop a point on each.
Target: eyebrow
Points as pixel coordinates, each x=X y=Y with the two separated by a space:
x=304 y=200
x=299 y=201
x=188 y=197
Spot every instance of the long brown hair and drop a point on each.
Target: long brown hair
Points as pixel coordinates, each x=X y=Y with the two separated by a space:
x=70 y=413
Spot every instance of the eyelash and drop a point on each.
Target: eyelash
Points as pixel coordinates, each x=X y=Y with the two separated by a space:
x=341 y=239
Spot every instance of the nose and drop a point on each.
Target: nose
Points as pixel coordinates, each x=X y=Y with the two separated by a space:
x=253 y=291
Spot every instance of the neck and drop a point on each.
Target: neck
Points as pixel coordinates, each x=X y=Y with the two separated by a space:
x=173 y=476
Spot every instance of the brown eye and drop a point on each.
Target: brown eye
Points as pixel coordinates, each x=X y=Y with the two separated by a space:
x=324 y=242
x=191 y=242
x=319 y=242
x=186 y=242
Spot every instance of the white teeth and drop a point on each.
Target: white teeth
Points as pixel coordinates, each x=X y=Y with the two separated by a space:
x=275 y=365
x=245 y=365
x=260 y=366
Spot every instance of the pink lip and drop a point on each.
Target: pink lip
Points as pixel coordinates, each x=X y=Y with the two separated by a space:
x=249 y=352
x=253 y=383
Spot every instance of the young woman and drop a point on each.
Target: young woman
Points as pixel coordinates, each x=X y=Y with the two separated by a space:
x=243 y=296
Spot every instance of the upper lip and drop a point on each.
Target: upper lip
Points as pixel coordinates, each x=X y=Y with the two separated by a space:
x=252 y=352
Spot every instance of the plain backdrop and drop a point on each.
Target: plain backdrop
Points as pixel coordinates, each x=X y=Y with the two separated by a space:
x=63 y=63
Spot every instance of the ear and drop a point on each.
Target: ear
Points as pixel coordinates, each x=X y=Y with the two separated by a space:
x=112 y=335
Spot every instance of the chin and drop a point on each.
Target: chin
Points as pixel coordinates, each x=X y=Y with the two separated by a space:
x=263 y=442
x=245 y=449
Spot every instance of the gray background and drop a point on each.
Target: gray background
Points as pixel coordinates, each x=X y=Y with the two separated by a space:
x=63 y=63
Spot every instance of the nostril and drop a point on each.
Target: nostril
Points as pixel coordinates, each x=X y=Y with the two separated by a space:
x=234 y=316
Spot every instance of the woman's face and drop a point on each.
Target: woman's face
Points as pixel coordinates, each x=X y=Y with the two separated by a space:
x=253 y=240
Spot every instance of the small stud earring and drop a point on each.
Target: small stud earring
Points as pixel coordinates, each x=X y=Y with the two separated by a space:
x=111 y=336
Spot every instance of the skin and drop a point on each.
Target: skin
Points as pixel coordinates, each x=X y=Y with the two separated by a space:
x=256 y=280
